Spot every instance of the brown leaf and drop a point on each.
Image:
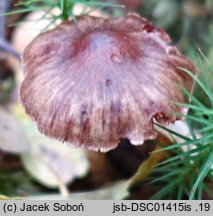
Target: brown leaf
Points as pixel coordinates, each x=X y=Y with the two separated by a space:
x=12 y=137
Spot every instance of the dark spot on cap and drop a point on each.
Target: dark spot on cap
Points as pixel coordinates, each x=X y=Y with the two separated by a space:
x=50 y=48
x=84 y=115
x=116 y=58
x=108 y=82
x=148 y=27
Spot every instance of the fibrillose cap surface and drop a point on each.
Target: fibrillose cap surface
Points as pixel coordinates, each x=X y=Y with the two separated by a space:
x=91 y=83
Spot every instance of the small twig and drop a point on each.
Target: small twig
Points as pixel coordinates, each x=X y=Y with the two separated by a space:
x=3 y=6
x=64 y=191
x=5 y=46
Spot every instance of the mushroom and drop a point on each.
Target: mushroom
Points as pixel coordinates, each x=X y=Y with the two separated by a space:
x=92 y=83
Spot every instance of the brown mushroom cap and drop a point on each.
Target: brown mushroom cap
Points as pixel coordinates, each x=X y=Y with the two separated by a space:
x=91 y=83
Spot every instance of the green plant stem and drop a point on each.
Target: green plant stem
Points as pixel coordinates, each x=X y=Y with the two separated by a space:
x=66 y=8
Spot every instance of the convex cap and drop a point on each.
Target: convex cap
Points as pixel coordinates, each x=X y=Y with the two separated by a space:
x=91 y=83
